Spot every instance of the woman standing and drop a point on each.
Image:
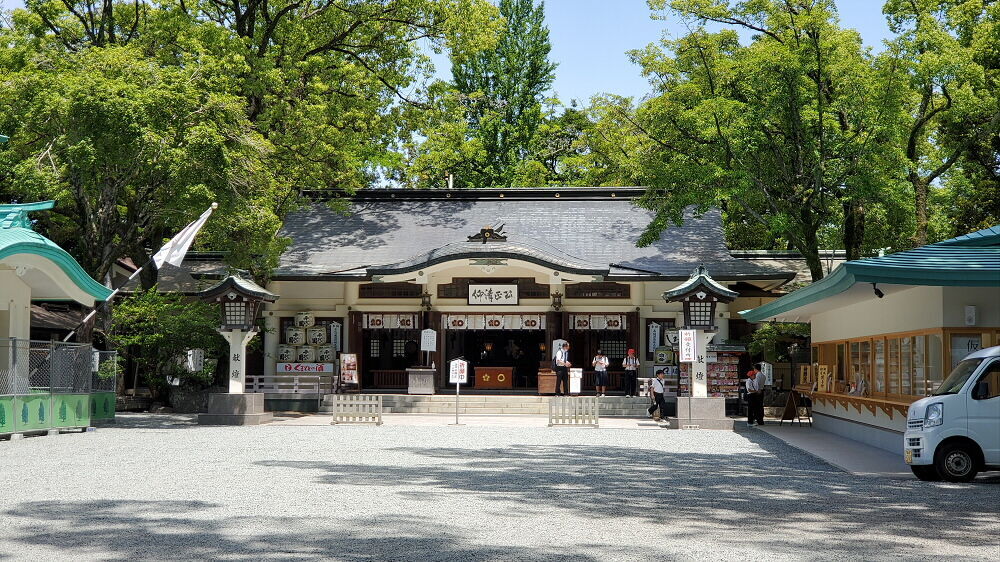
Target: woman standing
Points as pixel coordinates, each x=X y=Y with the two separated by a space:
x=600 y=364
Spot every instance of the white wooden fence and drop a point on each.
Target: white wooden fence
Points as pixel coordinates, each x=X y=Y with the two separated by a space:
x=291 y=384
x=357 y=408
x=574 y=410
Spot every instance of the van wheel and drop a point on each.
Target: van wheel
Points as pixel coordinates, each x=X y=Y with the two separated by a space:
x=925 y=472
x=956 y=462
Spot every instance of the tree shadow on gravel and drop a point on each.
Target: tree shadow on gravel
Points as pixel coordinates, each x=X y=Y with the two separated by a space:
x=187 y=530
x=803 y=502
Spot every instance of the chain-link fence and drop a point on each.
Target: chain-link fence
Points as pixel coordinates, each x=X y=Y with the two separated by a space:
x=49 y=384
x=28 y=366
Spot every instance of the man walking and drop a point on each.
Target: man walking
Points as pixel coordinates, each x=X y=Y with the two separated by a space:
x=562 y=370
x=658 y=388
x=755 y=398
x=631 y=365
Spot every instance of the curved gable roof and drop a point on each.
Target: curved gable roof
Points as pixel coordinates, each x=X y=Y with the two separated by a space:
x=17 y=237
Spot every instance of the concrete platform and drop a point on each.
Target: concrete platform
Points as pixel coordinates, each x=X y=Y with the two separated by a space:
x=846 y=454
x=235 y=409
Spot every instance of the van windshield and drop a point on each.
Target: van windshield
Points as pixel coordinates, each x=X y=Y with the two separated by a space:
x=960 y=374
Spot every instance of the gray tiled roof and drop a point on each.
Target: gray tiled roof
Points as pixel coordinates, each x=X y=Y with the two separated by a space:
x=584 y=226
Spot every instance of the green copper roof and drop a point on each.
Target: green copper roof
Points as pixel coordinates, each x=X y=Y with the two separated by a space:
x=17 y=237
x=972 y=260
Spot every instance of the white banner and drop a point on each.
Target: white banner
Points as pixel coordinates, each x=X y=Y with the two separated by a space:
x=304 y=368
x=654 y=336
x=688 y=345
x=335 y=329
x=389 y=321
x=597 y=321
x=493 y=294
x=494 y=321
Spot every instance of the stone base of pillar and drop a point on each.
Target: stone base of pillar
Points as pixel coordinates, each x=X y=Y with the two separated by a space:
x=235 y=409
x=706 y=413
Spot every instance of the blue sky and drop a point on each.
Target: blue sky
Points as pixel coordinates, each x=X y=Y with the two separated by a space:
x=590 y=38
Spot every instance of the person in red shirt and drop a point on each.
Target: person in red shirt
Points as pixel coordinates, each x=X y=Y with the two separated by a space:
x=755 y=397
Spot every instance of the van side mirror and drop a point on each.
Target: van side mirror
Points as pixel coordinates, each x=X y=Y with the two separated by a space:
x=982 y=390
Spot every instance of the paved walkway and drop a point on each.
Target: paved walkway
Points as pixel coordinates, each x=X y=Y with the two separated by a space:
x=848 y=455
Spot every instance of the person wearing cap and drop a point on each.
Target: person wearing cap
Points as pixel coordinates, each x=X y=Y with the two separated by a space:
x=631 y=366
x=659 y=388
x=562 y=370
x=755 y=397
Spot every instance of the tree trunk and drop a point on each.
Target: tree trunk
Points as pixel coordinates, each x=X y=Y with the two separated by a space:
x=920 y=193
x=854 y=229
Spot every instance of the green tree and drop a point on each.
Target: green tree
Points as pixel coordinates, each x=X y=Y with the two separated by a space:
x=268 y=100
x=502 y=90
x=946 y=49
x=155 y=329
x=789 y=128
x=132 y=151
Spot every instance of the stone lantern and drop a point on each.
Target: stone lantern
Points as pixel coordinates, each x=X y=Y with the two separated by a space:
x=700 y=295
x=239 y=302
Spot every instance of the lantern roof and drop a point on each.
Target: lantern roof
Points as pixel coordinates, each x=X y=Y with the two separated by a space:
x=241 y=286
x=700 y=281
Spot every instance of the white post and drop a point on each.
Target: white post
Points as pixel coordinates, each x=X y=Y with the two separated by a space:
x=238 y=340
x=699 y=368
x=457 y=386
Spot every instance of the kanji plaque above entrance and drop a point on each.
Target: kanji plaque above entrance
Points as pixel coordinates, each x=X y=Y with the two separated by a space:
x=493 y=294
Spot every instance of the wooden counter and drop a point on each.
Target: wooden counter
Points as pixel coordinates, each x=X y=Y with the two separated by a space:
x=494 y=377
x=546 y=381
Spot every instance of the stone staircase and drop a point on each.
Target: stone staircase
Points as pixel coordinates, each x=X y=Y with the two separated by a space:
x=614 y=406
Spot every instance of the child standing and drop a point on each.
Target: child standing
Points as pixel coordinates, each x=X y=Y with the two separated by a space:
x=600 y=364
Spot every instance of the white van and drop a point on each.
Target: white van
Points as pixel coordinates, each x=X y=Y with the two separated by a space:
x=955 y=433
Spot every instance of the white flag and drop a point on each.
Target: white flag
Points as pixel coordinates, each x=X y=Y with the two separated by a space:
x=173 y=251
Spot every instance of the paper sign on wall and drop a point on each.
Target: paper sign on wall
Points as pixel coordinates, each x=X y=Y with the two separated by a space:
x=688 y=345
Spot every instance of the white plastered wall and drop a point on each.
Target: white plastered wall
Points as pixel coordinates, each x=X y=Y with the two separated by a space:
x=15 y=305
x=985 y=299
x=914 y=308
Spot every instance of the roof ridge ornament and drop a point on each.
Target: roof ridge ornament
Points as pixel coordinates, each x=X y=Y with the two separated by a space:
x=15 y=215
x=490 y=234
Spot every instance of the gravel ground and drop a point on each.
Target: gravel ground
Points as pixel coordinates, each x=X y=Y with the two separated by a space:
x=157 y=487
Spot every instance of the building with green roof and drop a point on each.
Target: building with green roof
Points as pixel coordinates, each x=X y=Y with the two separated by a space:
x=34 y=268
x=887 y=330
x=45 y=386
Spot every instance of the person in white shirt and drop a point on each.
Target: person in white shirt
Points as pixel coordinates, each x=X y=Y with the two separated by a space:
x=755 y=397
x=600 y=364
x=631 y=366
x=659 y=389
x=562 y=370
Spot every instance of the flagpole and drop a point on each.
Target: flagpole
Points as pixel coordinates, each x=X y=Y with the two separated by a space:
x=166 y=254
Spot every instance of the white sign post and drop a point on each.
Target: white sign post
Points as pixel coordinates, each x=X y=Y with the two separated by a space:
x=428 y=343
x=458 y=373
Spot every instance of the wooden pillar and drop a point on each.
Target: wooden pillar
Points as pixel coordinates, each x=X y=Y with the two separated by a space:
x=355 y=343
x=633 y=330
